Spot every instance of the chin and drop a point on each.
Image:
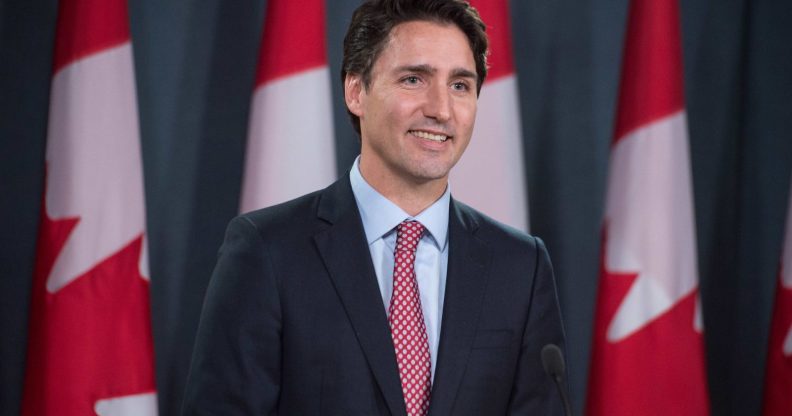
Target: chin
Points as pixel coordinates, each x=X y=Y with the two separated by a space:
x=425 y=170
x=426 y=175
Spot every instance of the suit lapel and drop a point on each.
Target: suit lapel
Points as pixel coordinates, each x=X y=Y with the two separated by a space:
x=468 y=268
x=348 y=260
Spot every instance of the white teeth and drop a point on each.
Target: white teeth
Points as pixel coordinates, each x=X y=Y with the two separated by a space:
x=429 y=136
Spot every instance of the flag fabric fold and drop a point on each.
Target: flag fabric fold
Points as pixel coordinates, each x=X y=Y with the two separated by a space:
x=291 y=147
x=778 y=377
x=90 y=348
x=648 y=348
x=491 y=174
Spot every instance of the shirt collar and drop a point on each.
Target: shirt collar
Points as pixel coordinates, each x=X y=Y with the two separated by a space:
x=380 y=215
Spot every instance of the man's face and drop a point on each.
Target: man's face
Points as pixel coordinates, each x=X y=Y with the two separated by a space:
x=417 y=114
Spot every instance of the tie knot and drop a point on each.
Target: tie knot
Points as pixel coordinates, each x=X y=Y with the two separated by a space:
x=408 y=233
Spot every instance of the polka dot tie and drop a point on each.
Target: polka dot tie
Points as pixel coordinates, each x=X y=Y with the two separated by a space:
x=407 y=322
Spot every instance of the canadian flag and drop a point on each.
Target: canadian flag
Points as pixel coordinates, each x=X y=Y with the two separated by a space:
x=90 y=343
x=648 y=352
x=290 y=149
x=491 y=174
x=778 y=383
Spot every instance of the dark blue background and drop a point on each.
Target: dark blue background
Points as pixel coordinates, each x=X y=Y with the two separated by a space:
x=195 y=65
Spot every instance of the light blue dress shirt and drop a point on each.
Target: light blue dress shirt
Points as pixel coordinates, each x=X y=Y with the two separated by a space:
x=380 y=217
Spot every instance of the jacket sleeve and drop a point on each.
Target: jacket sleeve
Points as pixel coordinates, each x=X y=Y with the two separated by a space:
x=533 y=392
x=235 y=366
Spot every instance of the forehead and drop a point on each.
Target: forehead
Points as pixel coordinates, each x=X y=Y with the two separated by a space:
x=427 y=42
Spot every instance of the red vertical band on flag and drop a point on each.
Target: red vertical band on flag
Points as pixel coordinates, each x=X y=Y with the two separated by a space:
x=88 y=26
x=292 y=39
x=651 y=79
x=495 y=14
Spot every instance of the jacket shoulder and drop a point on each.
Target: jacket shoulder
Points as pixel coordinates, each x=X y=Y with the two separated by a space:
x=493 y=231
x=290 y=214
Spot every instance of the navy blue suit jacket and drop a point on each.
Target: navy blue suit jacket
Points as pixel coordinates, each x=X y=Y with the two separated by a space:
x=293 y=322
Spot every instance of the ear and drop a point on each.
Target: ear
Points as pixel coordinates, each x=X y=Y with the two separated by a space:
x=353 y=93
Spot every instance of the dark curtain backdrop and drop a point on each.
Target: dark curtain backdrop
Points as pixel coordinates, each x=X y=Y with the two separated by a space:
x=195 y=64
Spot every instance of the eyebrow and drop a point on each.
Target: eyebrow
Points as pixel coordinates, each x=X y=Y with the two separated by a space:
x=426 y=69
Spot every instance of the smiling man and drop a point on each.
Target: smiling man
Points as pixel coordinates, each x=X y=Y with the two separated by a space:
x=381 y=294
x=416 y=110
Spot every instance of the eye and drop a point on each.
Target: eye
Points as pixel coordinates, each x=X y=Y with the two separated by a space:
x=411 y=80
x=460 y=86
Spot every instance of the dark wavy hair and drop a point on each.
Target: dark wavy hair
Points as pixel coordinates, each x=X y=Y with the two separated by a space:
x=373 y=21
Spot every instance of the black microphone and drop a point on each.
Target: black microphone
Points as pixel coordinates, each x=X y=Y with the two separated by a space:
x=553 y=363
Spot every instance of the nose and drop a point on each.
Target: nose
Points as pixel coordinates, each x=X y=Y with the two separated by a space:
x=438 y=103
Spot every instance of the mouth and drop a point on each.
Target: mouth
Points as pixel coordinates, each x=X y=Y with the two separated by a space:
x=439 y=138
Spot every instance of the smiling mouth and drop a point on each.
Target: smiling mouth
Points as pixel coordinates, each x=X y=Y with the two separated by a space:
x=429 y=136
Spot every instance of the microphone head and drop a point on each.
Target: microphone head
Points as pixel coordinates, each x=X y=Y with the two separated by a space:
x=553 y=360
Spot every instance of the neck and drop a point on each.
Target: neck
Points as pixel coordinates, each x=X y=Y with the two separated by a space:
x=411 y=196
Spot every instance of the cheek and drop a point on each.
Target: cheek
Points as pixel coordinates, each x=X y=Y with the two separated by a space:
x=382 y=110
x=402 y=108
x=466 y=114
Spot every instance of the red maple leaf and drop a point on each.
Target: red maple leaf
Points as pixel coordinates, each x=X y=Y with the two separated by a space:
x=658 y=370
x=91 y=339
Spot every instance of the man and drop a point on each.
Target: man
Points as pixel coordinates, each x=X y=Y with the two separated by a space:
x=381 y=295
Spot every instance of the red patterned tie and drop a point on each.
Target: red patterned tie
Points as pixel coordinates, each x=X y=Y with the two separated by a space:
x=407 y=323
